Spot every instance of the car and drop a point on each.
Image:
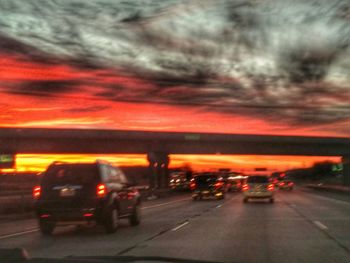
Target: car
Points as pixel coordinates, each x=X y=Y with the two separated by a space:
x=286 y=185
x=178 y=181
x=84 y=194
x=234 y=185
x=258 y=187
x=207 y=185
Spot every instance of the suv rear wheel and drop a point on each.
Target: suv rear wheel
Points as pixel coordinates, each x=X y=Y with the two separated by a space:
x=111 y=220
x=46 y=227
x=135 y=217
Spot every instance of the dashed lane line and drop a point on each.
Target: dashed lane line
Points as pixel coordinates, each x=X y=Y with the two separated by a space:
x=320 y=225
x=180 y=226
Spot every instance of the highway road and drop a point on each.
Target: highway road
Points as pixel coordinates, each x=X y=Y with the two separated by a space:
x=301 y=226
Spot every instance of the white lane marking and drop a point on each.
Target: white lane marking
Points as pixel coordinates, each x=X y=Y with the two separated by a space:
x=179 y=226
x=320 y=225
x=218 y=206
x=19 y=233
x=168 y=203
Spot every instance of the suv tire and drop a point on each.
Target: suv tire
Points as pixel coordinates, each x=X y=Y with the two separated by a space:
x=46 y=227
x=111 y=220
x=272 y=200
x=135 y=217
x=245 y=200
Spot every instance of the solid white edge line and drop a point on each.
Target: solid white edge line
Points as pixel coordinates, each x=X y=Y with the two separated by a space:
x=320 y=225
x=180 y=226
x=19 y=233
x=168 y=203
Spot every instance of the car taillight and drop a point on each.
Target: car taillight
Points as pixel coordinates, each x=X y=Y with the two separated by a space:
x=245 y=187
x=101 y=190
x=193 y=185
x=36 y=192
x=290 y=184
x=270 y=187
x=218 y=184
x=281 y=184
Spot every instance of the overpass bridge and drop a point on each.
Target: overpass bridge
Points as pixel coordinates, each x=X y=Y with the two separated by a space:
x=158 y=145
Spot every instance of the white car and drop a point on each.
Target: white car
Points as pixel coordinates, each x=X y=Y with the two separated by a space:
x=258 y=187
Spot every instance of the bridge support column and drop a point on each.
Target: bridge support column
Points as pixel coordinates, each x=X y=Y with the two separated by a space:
x=346 y=170
x=158 y=169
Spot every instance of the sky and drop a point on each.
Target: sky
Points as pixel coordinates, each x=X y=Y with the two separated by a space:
x=252 y=67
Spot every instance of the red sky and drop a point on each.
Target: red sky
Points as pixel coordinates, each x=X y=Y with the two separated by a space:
x=81 y=109
x=37 y=162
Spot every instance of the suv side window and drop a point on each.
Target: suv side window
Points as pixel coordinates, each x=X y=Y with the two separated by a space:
x=113 y=175
x=105 y=173
x=123 y=178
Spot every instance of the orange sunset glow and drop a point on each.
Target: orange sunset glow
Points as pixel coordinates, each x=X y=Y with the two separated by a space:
x=38 y=162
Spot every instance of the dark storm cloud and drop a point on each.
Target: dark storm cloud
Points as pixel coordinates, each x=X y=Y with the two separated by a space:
x=42 y=88
x=86 y=109
x=24 y=52
x=274 y=60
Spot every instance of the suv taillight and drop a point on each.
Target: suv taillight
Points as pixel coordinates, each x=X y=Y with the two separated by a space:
x=101 y=190
x=36 y=192
x=270 y=187
x=245 y=187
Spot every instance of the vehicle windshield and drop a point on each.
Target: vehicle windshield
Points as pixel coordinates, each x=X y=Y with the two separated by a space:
x=175 y=130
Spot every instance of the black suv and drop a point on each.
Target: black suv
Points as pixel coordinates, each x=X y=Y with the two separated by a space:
x=84 y=193
x=207 y=185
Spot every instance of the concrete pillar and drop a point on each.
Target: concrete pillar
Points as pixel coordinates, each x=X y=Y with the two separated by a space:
x=152 y=175
x=158 y=166
x=346 y=170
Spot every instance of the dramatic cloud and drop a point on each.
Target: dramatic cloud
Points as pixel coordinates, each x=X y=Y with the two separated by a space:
x=278 y=61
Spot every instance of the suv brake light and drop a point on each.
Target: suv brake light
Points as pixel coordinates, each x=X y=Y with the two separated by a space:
x=245 y=187
x=270 y=187
x=101 y=190
x=36 y=192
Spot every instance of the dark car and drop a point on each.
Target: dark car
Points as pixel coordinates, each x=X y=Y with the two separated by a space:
x=85 y=193
x=207 y=185
x=286 y=185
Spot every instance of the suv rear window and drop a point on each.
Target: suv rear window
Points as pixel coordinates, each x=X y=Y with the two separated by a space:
x=258 y=179
x=78 y=174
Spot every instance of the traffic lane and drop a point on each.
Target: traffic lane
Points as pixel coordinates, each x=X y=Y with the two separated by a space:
x=18 y=227
x=66 y=241
x=253 y=232
x=329 y=214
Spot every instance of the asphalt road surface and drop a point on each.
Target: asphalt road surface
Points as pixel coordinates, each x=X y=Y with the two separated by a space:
x=301 y=226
